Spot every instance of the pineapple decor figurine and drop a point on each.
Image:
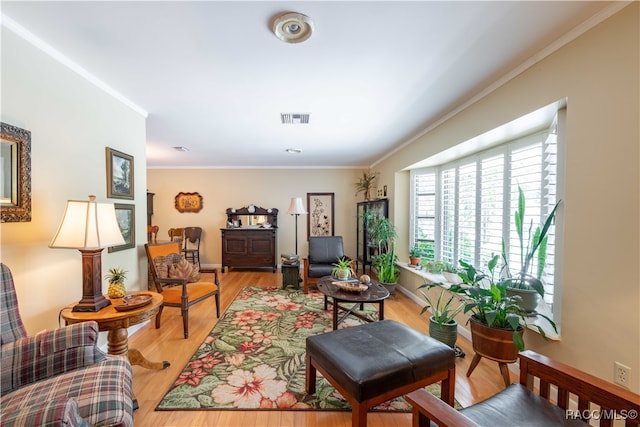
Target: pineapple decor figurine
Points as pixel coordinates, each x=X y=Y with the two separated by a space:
x=116 y=278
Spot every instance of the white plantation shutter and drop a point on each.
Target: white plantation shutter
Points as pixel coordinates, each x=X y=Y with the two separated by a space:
x=491 y=207
x=467 y=206
x=448 y=223
x=467 y=212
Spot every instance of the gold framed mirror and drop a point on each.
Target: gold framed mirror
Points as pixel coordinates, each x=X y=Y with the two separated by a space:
x=15 y=174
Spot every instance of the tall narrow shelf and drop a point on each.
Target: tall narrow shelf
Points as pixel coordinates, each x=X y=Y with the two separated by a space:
x=249 y=240
x=364 y=248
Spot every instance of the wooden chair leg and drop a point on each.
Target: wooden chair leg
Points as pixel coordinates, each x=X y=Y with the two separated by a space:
x=185 y=322
x=158 y=317
x=217 y=296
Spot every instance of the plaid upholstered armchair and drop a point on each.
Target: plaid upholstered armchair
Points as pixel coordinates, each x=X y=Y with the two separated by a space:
x=58 y=377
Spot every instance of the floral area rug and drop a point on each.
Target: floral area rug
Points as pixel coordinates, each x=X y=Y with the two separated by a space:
x=254 y=358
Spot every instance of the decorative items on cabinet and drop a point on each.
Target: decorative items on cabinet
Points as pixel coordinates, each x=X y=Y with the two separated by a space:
x=249 y=240
x=365 y=248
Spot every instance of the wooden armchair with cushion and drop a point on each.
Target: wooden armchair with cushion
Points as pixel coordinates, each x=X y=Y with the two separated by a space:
x=58 y=377
x=179 y=281
x=565 y=397
x=324 y=251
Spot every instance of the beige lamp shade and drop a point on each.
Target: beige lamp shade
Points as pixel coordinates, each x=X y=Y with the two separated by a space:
x=296 y=207
x=88 y=225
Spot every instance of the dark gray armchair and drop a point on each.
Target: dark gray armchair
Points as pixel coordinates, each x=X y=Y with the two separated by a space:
x=324 y=251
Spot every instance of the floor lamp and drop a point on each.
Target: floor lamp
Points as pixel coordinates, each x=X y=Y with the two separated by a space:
x=296 y=208
x=89 y=227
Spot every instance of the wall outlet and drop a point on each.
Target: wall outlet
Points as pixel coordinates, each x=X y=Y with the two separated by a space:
x=622 y=375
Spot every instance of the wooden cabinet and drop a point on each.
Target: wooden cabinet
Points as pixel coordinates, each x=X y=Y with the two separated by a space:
x=364 y=248
x=249 y=240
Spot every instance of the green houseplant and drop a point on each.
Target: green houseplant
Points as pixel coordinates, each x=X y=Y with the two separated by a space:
x=533 y=247
x=365 y=183
x=489 y=304
x=415 y=256
x=383 y=235
x=342 y=269
x=442 y=323
x=497 y=321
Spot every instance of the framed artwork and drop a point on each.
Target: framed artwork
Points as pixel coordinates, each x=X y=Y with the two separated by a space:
x=15 y=174
x=119 y=175
x=188 y=202
x=321 y=213
x=126 y=216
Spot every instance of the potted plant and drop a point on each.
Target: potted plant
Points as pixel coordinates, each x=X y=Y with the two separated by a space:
x=116 y=278
x=388 y=271
x=450 y=273
x=442 y=323
x=342 y=269
x=365 y=183
x=383 y=234
x=497 y=321
x=523 y=281
x=415 y=256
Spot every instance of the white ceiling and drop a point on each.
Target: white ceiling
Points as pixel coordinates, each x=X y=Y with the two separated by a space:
x=214 y=78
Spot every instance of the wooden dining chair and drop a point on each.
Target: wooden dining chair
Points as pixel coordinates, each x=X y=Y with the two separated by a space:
x=178 y=281
x=176 y=235
x=191 y=248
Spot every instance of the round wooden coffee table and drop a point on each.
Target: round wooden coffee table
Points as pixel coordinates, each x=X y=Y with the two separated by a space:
x=376 y=294
x=117 y=322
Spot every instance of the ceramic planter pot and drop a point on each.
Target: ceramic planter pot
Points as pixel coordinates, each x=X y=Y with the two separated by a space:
x=414 y=260
x=446 y=333
x=529 y=298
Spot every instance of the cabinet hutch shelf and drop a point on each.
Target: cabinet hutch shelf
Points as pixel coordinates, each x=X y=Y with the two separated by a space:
x=249 y=240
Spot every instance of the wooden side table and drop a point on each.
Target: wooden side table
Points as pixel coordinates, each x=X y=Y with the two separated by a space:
x=116 y=324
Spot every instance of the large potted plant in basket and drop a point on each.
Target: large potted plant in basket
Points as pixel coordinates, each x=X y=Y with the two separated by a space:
x=522 y=280
x=497 y=321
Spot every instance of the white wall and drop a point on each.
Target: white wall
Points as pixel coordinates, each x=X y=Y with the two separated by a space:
x=71 y=122
x=598 y=74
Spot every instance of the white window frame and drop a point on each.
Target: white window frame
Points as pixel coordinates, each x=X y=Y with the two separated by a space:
x=553 y=296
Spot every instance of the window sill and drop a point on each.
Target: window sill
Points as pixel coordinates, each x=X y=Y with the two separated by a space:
x=532 y=322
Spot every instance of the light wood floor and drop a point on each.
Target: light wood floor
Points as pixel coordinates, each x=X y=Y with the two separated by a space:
x=167 y=343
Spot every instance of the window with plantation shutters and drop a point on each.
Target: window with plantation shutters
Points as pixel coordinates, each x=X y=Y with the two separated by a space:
x=466 y=207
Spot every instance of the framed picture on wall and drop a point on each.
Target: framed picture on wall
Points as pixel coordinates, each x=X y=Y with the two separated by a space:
x=321 y=214
x=126 y=216
x=119 y=175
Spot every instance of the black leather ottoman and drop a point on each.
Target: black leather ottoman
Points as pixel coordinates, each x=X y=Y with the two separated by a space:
x=372 y=363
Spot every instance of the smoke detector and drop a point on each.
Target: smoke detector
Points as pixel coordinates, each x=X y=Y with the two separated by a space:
x=292 y=27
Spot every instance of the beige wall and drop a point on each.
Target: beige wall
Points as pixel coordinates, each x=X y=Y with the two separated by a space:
x=598 y=74
x=236 y=188
x=71 y=122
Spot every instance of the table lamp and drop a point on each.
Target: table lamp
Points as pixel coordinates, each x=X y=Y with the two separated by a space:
x=296 y=208
x=89 y=227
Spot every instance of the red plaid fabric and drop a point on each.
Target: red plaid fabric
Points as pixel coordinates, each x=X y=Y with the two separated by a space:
x=58 y=377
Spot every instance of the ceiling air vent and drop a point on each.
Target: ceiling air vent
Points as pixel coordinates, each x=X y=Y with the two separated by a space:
x=294 y=118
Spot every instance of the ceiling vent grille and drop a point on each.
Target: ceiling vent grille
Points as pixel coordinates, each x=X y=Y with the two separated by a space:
x=294 y=118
